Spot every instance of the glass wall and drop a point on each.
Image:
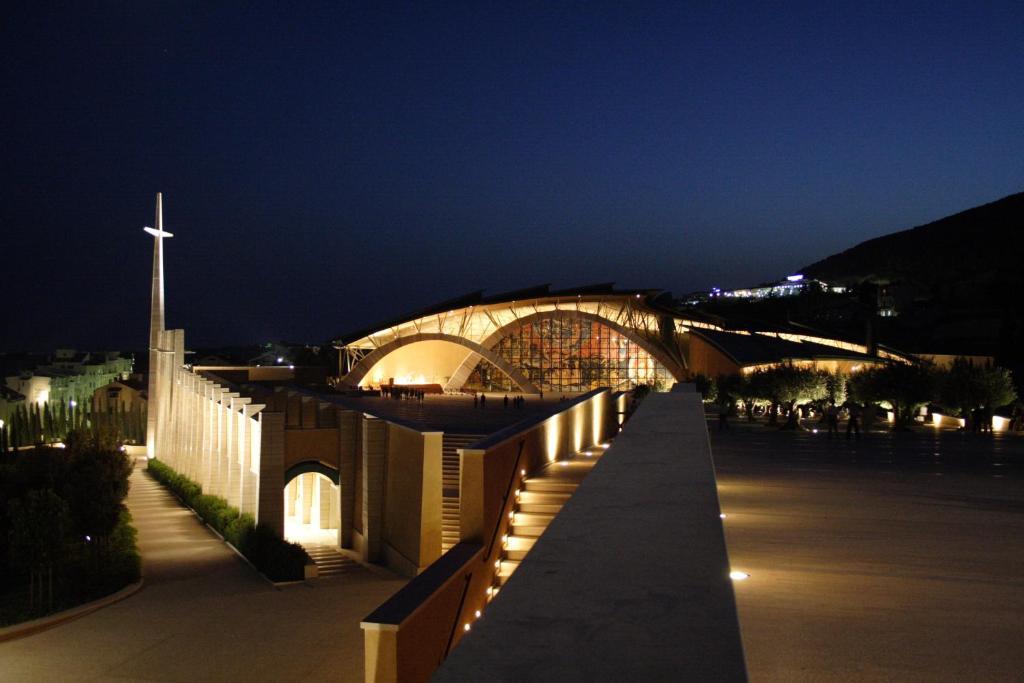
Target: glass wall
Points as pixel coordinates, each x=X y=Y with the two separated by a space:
x=570 y=355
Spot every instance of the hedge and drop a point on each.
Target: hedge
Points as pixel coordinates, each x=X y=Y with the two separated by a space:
x=275 y=557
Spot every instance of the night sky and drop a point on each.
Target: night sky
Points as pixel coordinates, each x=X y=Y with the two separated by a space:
x=327 y=168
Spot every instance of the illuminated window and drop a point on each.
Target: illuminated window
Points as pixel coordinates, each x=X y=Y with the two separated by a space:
x=570 y=355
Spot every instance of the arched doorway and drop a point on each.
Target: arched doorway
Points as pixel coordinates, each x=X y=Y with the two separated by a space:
x=312 y=506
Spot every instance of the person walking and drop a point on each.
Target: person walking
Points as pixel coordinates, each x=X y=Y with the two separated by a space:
x=506 y=401
x=832 y=419
x=853 y=419
x=723 y=414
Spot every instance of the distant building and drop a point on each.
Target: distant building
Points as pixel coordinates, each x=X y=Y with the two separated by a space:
x=70 y=376
x=121 y=395
x=791 y=286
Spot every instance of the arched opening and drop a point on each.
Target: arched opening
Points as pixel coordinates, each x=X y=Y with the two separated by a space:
x=312 y=508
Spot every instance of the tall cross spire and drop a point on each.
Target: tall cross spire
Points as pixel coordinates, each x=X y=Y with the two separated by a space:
x=156 y=310
x=156 y=325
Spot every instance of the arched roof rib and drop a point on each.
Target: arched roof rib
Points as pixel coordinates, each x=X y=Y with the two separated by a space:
x=650 y=297
x=363 y=367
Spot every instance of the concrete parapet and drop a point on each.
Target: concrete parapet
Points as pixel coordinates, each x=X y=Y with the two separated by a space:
x=631 y=579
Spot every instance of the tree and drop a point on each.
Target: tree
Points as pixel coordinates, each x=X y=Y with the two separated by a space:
x=705 y=387
x=38 y=532
x=905 y=386
x=744 y=388
x=835 y=387
x=792 y=385
x=98 y=482
x=966 y=386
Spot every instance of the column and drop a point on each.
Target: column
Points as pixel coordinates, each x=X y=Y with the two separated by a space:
x=374 y=455
x=271 y=482
x=248 y=478
x=349 y=432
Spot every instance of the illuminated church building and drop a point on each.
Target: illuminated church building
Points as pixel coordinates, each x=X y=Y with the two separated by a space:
x=439 y=491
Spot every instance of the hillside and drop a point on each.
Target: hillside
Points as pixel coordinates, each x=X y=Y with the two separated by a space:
x=975 y=253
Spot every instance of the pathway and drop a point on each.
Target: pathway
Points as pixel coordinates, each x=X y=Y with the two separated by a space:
x=204 y=615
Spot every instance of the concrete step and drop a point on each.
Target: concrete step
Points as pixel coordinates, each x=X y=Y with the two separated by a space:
x=527 y=531
x=559 y=497
x=519 y=543
x=541 y=485
x=532 y=518
x=546 y=508
x=507 y=568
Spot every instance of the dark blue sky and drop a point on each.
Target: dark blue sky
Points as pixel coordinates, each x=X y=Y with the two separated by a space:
x=326 y=168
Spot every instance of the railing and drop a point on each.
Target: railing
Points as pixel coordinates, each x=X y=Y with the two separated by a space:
x=408 y=637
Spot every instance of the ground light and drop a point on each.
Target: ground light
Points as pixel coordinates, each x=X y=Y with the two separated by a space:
x=738 y=576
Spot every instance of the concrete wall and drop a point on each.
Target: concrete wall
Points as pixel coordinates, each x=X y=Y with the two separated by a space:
x=302 y=445
x=408 y=636
x=412 y=508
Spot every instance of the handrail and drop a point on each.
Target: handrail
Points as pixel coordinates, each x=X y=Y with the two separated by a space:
x=504 y=501
x=411 y=597
x=455 y=622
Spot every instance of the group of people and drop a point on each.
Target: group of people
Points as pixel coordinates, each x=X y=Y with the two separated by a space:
x=480 y=401
x=854 y=413
x=402 y=393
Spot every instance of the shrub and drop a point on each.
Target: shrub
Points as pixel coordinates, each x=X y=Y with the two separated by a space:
x=276 y=558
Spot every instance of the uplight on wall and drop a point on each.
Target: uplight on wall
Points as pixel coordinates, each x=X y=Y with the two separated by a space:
x=738 y=576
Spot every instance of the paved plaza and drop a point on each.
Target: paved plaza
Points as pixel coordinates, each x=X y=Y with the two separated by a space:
x=896 y=557
x=204 y=615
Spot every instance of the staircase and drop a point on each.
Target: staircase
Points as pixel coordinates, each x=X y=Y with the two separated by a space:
x=330 y=562
x=538 y=501
x=450 y=444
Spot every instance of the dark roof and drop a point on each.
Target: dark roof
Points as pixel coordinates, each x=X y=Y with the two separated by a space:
x=756 y=349
x=9 y=394
x=134 y=383
x=477 y=298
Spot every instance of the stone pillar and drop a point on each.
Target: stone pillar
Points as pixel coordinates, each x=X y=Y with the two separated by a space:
x=430 y=502
x=220 y=466
x=472 y=521
x=349 y=439
x=270 y=510
x=250 y=456
x=326 y=495
x=240 y=428
x=306 y=494
x=375 y=452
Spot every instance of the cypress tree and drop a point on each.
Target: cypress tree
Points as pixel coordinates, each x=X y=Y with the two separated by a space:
x=49 y=433
x=34 y=428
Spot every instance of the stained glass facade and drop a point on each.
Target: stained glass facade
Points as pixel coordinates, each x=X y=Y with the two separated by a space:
x=570 y=355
